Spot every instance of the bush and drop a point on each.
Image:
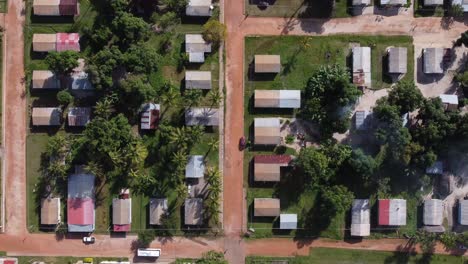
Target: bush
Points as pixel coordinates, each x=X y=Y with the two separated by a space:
x=214 y=31
x=88 y=260
x=439 y=11
x=290 y=139
x=146 y=237
x=64 y=97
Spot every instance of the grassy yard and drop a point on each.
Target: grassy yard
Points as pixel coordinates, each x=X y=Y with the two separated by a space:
x=62 y=260
x=426 y=11
x=3 y=6
x=298 y=8
x=348 y=256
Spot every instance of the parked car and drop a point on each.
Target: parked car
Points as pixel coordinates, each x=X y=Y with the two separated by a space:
x=89 y=239
x=242 y=143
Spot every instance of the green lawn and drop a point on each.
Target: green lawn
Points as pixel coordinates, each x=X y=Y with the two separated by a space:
x=3 y=6
x=349 y=256
x=298 y=8
x=423 y=11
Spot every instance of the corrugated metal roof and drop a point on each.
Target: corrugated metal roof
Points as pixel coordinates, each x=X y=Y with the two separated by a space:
x=267 y=168
x=267 y=131
x=44 y=42
x=157 y=207
x=436 y=168
x=266 y=207
x=397 y=59
x=80 y=81
x=193 y=211
x=196 y=43
x=267 y=63
x=360 y=218
x=80 y=211
x=463 y=212
x=433 y=59
x=45 y=80
x=277 y=98
x=79 y=116
x=46 y=116
x=69 y=7
x=50 y=211
x=288 y=221
x=121 y=211
x=433 y=2
x=68 y=41
x=362 y=66
x=150 y=116
x=195 y=116
x=433 y=212
x=197 y=79
x=267 y=122
x=361 y=120
x=46 y=7
x=195 y=167
x=198 y=8
x=81 y=186
x=393 y=2
x=392 y=212
x=451 y=99
x=361 y=2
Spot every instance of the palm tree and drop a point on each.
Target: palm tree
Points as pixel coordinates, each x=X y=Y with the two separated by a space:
x=171 y=96
x=179 y=137
x=215 y=98
x=213 y=144
x=179 y=159
x=96 y=169
x=195 y=133
x=103 y=108
x=140 y=152
x=192 y=97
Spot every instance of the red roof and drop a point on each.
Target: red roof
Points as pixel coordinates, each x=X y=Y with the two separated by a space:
x=68 y=41
x=384 y=212
x=272 y=159
x=80 y=211
x=121 y=228
x=68 y=7
x=9 y=262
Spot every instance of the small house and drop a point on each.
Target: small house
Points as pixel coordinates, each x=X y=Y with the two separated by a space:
x=46 y=116
x=393 y=2
x=196 y=47
x=360 y=218
x=436 y=169
x=433 y=212
x=432 y=3
x=50 y=211
x=44 y=42
x=450 y=101
x=361 y=121
x=68 y=41
x=433 y=60
x=195 y=167
x=463 y=212
x=45 y=80
x=198 y=80
x=397 y=60
x=79 y=82
x=121 y=214
x=267 y=63
x=288 y=221
x=267 y=168
x=79 y=116
x=202 y=116
x=81 y=202
x=56 y=7
x=266 y=207
x=267 y=131
x=361 y=2
x=392 y=212
x=201 y=8
x=149 y=119
x=193 y=208
x=8 y=260
x=277 y=98
x=158 y=208
x=362 y=66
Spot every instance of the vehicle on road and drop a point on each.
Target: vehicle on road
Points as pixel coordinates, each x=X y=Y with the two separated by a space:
x=89 y=239
x=149 y=252
x=242 y=143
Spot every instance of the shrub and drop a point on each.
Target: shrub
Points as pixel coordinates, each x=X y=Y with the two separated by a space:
x=290 y=139
x=64 y=97
x=88 y=260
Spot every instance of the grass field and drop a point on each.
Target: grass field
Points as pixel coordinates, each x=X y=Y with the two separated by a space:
x=348 y=256
x=298 y=8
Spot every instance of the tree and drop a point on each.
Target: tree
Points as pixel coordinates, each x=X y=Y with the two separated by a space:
x=130 y=29
x=439 y=11
x=406 y=96
x=212 y=201
x=64 y=97
x=192 y=97
x=102 y=65
x=463 y=39
x=314 y=166
x=456 y=10
x=214 y=32
x=62 y=62
x=168 y=21
x=212 y=257
x=215 y=97
x=449 y=239
x=361 y=166
x=213 y=144
x=145 y=237
x=336 y=199
x=135 y=90
x=427 y=241
x=103 y=107
x=141 y=59
x=170 y=95
x=462 y=78
x=177 y=6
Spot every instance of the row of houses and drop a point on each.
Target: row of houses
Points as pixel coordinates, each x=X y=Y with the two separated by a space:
x=52 y=116
x=56 y=42
x=270 y=207
x=398 y=3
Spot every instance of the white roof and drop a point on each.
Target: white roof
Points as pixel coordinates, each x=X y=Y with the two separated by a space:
x=361 y=2
x=277 y=98
x=197 y=79
x=267 y=122
x=80 y=81
x=397 y=59
x=196 y=43
x=463 y=212
x=288 y=221
x=148 y=252
x=195 y=167
x=198 y=8
x=290 y=98
x=362 y=64
x=393 y=2
x=196 y=57
x=397 y=212
x=451 y=99
x=433 y=59
x=433 y=212
x=433 y=2
x=360 y=218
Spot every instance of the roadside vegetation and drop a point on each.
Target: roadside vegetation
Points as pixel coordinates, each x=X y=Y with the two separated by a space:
x=133 y=54
x=298 y=8
x=210 y=257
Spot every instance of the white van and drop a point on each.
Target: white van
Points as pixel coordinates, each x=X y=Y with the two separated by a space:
x=149 y=252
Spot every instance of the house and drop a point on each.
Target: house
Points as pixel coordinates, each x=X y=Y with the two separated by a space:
x=267 y=131
x=56 y=7
x=267 y=64
x=437 y=168
x=44 y=42
x=201 y=8
x=397 y=60
x=267 y=168
x=362 y=66
x=46 y=116
x=50 y=211
x=193 y=209
x=433 y=212
x=392 y=212
x=150 y=116
x=361 y=119
x=463 y=3
x=79 y=116
x=199 y=116
x=266 y=207
x=198 y=80
x=80 y=203
x=68 y=41
x=45 y=80
x=158 y=208
x=450 y=101
x=277 y=99
x=433 y=60
x=121 y=214
x=195 y=167
x=361 y=2
x=288 y=221
x=79 y=81
x=360 y=218
x=463 y=212
x=433 y=2
x=393 y=2
x=196 y=47
x=8 y=260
